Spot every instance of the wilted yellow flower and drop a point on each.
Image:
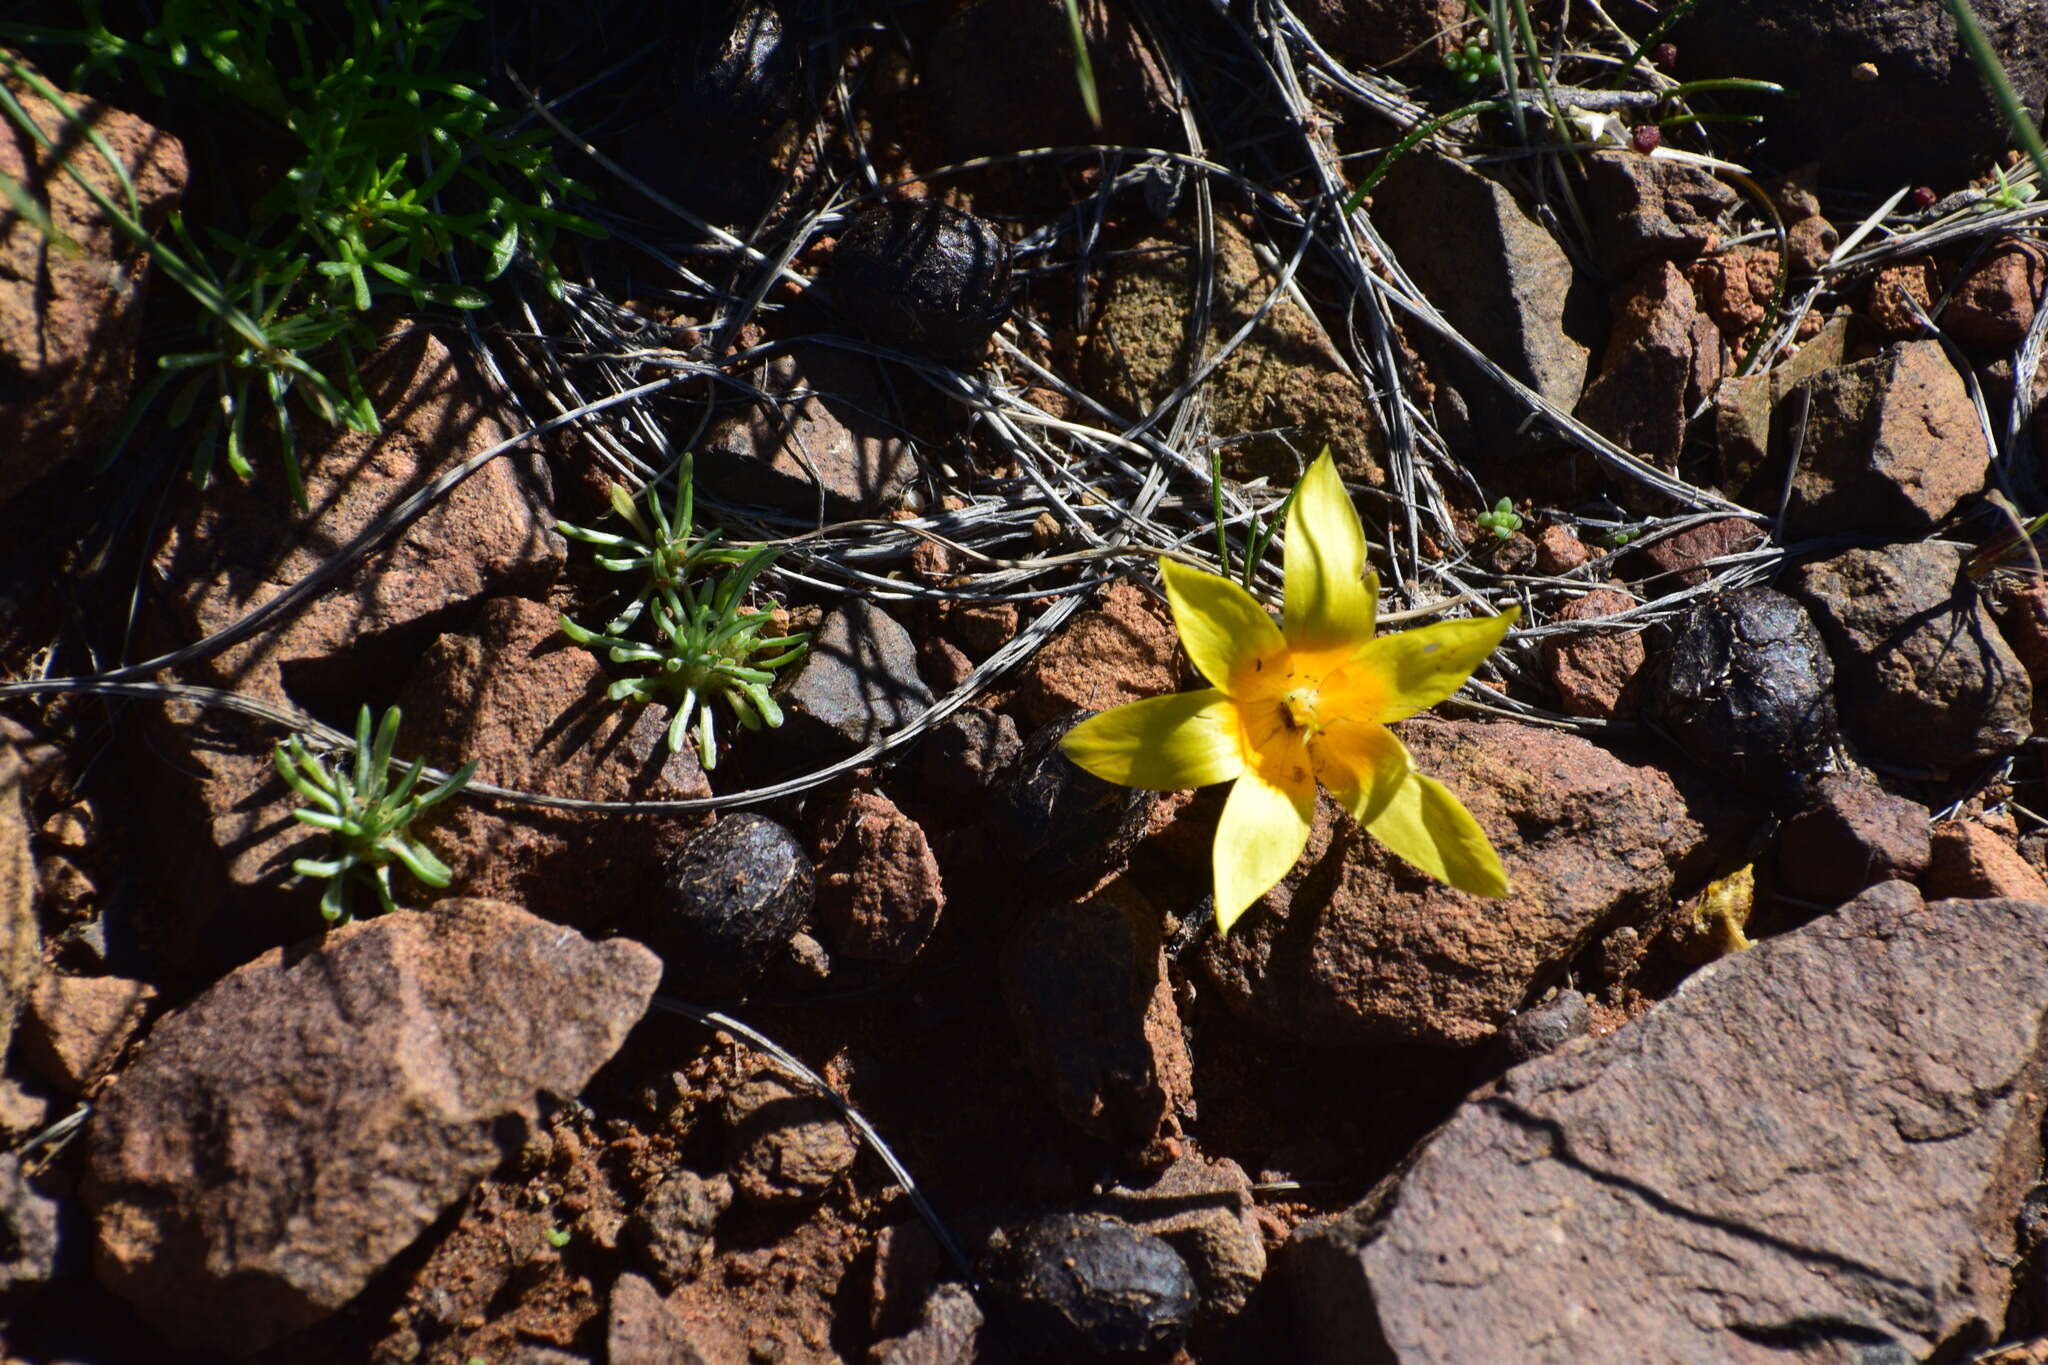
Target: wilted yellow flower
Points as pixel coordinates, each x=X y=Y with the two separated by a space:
x=1299 y=703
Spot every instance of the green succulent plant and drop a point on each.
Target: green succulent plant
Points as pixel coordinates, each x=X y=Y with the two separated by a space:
x=706 y=645
x=1503 y=520
x=663 y=546
x=365 y=816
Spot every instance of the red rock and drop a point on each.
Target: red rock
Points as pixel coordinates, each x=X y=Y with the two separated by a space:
x=1993 y=305
x=1924 y=677
x=1810 y=242
x=1854 y=836
x=1089 y=995
x=1657 y=365
x=949 y=1333
x=943 y=665
x=1684 y=556
x=1735 y=288
x=983 y=627
x=1767 y=1156
x=1205 y=1211
x=276 y=1142
x=529 y=707
x=1124 y=650
x=1647 y=208
x=1592 y=671
x=69 y=320
x=20 y=939
x=1559 y=551
x=1915 y=278
x=788 y=1146
x=1354 y=947
x=643 y=1328
x=78 y=1027
x=1969 y=862
x=243 y=545
x=879 y=889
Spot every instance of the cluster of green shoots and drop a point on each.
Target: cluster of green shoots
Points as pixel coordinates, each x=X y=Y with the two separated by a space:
x=688 y=623
x=396 y=170
x=367 y=819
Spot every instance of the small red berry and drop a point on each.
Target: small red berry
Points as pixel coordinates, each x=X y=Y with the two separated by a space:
x=1647 y=137
x=1922 y=198
x=1664 y=56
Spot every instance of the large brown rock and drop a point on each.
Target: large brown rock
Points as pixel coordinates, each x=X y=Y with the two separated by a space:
x=1646 y=208
x=819 y=444
x=241 y=546
x=1814 y=1150
x=1356 y=947
x=1925 y=679
x=529 y=706
x=1498 y=277
x=1001 y=79
x=281 y=1138
x=69 y=319
x=1925 y=116
x=1285 y=373
x=1097 y=1024
x=879 y=888
x=1122 y=651
x=1891 y=445
x=1662 y=357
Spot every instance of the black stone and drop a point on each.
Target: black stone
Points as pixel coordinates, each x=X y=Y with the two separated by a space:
x=741 y=73
x=924 y=276
x=1086 y=1286
x=1745 y=687
x=857 y=683
x=733 y=897
x=966 y=750
x=1544 y=1029
x=1065 y=824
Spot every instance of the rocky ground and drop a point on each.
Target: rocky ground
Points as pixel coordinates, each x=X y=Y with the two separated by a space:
x=895 y=1038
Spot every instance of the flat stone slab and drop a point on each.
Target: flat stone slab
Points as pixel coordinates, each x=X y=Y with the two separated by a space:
x=1813 y=1151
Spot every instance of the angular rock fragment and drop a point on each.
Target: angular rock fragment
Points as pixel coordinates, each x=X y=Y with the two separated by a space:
x=1888 y=445
x=1354 y=947
x=1648 y=208
x=1926 y=680
x=1096 y=1021
x=879 y=889
x=1593 y=672
x=1813 y=1150
x=1853 y=836
x=1662 y=357
x=1121 y=651
x=281 y=1138
x=1497 y=276
x=643 y=1328
x=966 y=750
x=819 y=443
x=1969 y=860
x=78 y=1027
x=69 y=319
x=857 y=683
x=950 y=1332
x=1993 y=305
x=788 y=1146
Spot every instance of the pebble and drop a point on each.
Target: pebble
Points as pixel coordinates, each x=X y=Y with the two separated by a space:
x=735 y=894
x=787 y=1146
x=922 y=275
x=1090 y=1287
x=671 y=1229
x=1745 y=690
x=1065 y=824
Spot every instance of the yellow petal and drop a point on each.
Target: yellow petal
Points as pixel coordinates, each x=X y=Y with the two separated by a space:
x=1331 y=599
x=1264 y=827
x=1363 y=765
x=1222 y=627
x=1189 y=739
x=1425 y=825
x=1416 y=669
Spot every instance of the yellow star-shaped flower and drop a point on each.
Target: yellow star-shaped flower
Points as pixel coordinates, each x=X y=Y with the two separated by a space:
x=1302 y=702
